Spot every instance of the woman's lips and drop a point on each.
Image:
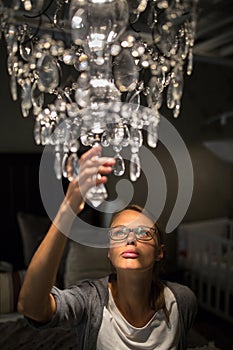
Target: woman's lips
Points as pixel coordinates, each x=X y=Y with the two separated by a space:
x=130 y=254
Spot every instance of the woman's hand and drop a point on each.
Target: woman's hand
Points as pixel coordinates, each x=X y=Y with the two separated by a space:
x=90 y=165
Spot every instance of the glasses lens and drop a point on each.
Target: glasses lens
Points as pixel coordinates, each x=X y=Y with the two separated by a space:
x=143 y=233
x=118 y=233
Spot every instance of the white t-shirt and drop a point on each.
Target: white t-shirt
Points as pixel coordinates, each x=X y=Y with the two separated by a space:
x=118 y=334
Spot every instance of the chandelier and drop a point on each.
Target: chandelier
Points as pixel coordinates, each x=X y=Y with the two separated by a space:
x=97 y=72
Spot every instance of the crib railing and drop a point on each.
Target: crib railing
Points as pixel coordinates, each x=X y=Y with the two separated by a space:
x=206 y=256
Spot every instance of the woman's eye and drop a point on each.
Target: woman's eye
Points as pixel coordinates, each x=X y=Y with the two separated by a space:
x=142 y=232
x=119 y=233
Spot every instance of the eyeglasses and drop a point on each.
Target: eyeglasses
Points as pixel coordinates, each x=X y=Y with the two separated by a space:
x=142 y=233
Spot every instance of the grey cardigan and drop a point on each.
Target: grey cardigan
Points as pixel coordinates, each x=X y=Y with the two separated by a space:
x=81 y=306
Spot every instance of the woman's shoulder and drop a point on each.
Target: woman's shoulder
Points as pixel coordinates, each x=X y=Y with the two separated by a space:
x=183 y=293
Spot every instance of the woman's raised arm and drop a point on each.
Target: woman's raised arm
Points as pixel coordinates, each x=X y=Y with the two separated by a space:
x=35 y=300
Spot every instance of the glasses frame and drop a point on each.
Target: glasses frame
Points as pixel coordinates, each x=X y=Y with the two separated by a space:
x=129 y=229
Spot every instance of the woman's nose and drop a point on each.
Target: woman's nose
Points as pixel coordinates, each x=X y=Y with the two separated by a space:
x=131 y=239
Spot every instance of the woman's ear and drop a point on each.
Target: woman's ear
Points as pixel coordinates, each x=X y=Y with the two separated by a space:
x=160 y=253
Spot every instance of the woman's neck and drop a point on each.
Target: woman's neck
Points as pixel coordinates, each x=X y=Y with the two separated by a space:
x=132 y=295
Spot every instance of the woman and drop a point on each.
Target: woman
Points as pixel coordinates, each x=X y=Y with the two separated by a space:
x=131 y=309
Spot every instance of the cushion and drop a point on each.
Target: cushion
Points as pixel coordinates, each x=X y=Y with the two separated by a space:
x=84 y=262
x=10 y=284
x=33 y=228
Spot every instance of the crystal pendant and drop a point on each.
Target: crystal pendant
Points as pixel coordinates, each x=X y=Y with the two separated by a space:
x=74 y=167
x=26 y=47
x=57 y=165
x=105 y=139
x=37 y=98
x=13 y=87
x=37 y=136
x=26 y=102
x=96 y=195
x=135 y=168
x=119 y=167
x=152 y=135
x=125 y=71
x=65 y=164
x=48 y=73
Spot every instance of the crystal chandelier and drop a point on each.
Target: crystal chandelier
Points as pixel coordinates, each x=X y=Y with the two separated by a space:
x=85 y=68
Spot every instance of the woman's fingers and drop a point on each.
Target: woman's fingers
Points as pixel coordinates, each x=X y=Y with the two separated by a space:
x=94 y=151
x=92 y=171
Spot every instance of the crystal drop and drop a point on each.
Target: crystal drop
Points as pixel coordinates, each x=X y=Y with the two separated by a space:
x=13 y=87
x=135 y=168
x=11 y=40
x=37 y=98
x=178 y=84
x=154 y=97
x=74 y=146
x=117 y=135
x=52 y=138
x=48 y=73
x=37 y=137
x=190 y=63
x=96 y=195
x=44 y=135
x=125 y=71
x=136 y=137
x=73 y=162
x=12 y=64
x=64 y=165
x=26 y=102
x=57 y=165
x=170 y=97
x=126 y=136
x=26 y=47
x=152 y=135
x=119 y=167
x=176 y=110
x=105 y=139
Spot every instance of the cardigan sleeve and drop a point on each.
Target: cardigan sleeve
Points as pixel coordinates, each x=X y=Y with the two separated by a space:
x=71 y=305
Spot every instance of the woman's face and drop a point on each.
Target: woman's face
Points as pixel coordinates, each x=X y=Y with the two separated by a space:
x=130 y=253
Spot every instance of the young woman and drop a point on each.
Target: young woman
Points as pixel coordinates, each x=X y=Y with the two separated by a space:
x=131 y=309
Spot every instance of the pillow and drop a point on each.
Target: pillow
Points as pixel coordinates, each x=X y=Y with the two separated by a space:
x=84 y=262
x=33 y=228
x=10 y=284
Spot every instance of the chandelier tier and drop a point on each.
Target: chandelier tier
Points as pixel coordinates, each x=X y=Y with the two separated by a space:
x=99 y=61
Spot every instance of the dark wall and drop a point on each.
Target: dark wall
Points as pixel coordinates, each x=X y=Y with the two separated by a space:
x=19 y=188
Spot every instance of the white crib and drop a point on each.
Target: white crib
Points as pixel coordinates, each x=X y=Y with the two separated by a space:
x=205 y=253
